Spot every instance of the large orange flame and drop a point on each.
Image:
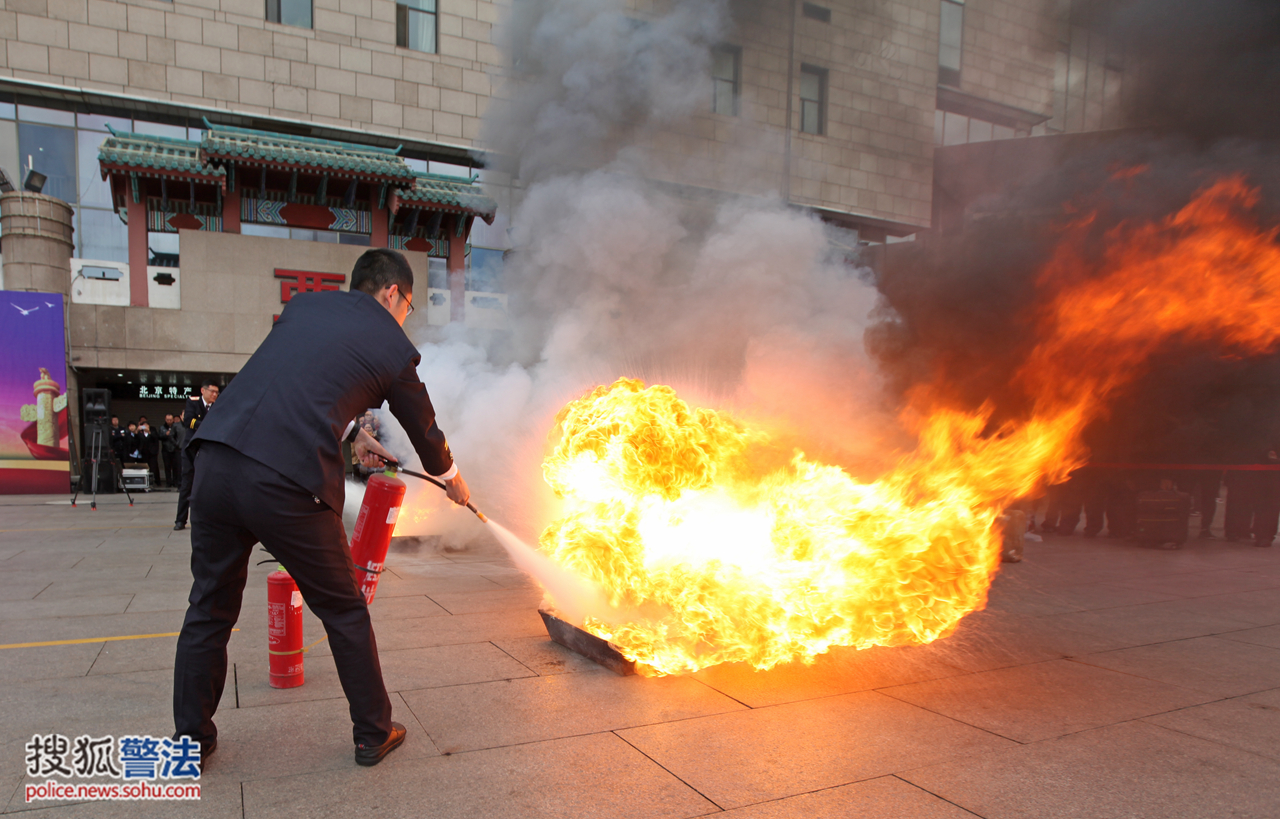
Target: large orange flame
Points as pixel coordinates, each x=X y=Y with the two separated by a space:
x=717 y=552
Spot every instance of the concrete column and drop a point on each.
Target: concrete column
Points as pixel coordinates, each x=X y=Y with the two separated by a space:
x=231 y=212
x=378 y=237
x=457 y=278
x=37 y=248
x=138 y=253
x=36 y=242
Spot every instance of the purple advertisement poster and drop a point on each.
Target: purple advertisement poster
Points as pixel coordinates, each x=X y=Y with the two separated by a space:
x=33 y=401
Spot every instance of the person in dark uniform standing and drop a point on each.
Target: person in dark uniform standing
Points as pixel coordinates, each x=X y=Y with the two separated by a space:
x=269 y=469
x=192 y=418
x=169 y=441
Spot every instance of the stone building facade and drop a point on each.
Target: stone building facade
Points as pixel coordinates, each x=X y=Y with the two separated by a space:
x=836 y=106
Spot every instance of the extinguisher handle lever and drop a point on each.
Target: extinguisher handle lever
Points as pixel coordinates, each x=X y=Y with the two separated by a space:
x=394 y=466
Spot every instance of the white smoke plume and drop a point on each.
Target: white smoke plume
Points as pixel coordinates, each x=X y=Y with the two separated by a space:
x=739 y=303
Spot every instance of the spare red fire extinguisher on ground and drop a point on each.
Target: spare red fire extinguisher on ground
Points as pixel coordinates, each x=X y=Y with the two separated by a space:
x=284 y=630
x=374 y=526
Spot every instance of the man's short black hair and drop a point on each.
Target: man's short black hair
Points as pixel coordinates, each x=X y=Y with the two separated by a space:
x=379 y=268
x=207 y=383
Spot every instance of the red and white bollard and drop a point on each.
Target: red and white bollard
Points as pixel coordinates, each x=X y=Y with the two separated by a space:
x=284 y=630
x=375 y=525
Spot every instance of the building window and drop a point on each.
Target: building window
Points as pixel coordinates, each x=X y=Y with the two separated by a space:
x=950 y=42
x=819 y=13
x=416 y=25
x=484 y=270
x=813 y=99
x=950 y=128
x=289 y=12
x=725 y=62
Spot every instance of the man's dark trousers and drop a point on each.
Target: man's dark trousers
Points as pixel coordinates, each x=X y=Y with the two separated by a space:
x=185 y=484
x=238 y=502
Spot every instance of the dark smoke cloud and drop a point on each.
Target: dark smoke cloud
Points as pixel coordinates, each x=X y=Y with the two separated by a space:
x=958 y=311
x=1201 y=81
x=1205 y=68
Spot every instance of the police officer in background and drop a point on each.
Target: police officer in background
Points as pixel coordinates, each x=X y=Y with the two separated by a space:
x=192 y=417
x=269 y=469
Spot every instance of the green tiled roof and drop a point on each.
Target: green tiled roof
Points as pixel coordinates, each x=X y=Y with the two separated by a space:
x=155 y=152
x=246 y=145
x=433 y=189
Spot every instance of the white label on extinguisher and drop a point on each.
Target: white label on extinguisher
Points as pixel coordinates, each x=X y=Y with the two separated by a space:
x=393 y=514
x=296 y=599
x=275 y=619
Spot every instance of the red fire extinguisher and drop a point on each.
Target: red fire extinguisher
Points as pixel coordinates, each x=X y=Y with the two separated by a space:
x=284 y=630
x=374 y=527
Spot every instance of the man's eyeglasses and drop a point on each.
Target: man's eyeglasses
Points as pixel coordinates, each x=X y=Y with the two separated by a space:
x=409 y=302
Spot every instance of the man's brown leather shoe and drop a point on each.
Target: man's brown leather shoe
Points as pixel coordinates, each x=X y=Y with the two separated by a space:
x=372 y=755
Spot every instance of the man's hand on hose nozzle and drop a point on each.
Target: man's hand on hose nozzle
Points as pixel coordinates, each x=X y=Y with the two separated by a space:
x=374 y=455
x=457 y=489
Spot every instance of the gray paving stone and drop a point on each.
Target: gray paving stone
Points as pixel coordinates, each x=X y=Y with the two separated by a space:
x=406 y=670
x=1258 y=608
x=885 y=798
x=1249 y=723
x=440 y=584
x=71 y=587
x=841 y=671
x=1149 y=623
x=399 y=608
x=741 y=758
x=21 y=588
x=460 y=628
x=125 y=656
x=1225 y=668
x=1050 y=699
x=596 y=776
x=73 y=628
x=1129 y=771
x=70 y=607
x=485 y=601
x=1205 y=583
x=543 y=657
x=987 y=640
x=48 y=661
x=292 y=738
x=1266 y=636
x=1036 y=599
x=490 y=715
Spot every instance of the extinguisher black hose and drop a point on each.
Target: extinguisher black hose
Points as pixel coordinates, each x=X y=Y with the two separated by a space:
x=395 y=466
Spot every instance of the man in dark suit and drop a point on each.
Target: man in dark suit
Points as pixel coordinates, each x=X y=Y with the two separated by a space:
x=192 y=418
x=169 y=450
x=269 y=468
x=119 y=440
x=148 y=445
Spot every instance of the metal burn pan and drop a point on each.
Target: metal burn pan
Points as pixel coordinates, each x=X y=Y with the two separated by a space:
x=588 y=645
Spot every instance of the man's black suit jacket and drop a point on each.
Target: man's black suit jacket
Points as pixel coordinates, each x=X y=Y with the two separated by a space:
x=329 y=357
x=193 y=414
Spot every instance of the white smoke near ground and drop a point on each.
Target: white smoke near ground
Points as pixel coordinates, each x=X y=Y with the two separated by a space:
x=739 y=303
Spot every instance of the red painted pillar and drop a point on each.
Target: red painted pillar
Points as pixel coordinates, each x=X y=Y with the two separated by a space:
x=138 y=253
x=378 y=237
x=231 y=212
x=457 y=277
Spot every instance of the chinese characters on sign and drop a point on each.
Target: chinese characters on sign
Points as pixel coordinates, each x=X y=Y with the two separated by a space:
x=305 y=281
x=134 y=757
x=159 y=391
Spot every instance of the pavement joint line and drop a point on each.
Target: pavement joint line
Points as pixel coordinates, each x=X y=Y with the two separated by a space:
x=93 y=640
x=83 y=529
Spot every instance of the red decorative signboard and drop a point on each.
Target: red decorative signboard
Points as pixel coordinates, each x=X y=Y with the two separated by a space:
x=305 y=281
